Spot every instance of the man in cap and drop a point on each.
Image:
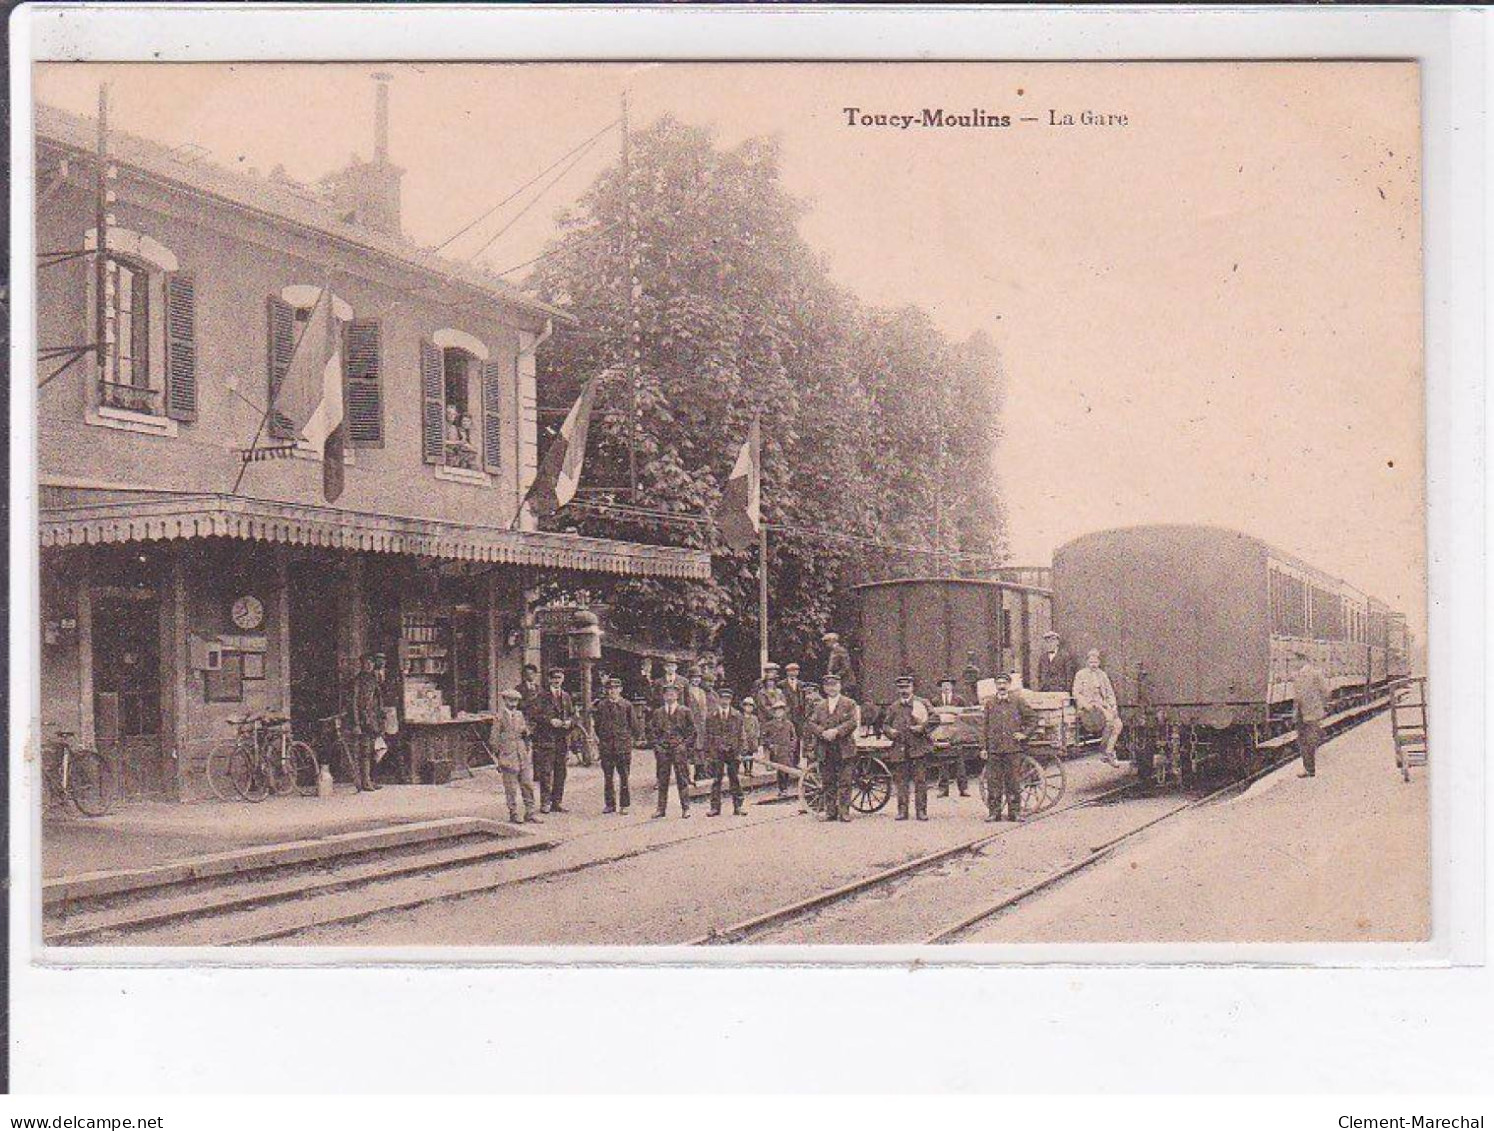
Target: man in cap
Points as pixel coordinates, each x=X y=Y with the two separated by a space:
x=671 y=732
x=368 y=719
x=1310 y=691
x=724 y=750
x=909 y=723
x=796 y=695
x=616 y=725
x=507 y=735
x=833 y=722
x=1006 y=723
x=950 y=699
x=1056 y=667
x=670 y=678
x=766 y=691
x=698 y=702
x=555 y=714
x=839 y=662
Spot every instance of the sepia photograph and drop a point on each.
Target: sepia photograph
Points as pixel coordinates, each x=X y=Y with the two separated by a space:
x=761 y=506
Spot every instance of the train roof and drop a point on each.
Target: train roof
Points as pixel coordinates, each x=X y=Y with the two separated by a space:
x=1207 y=531
x=992 y=582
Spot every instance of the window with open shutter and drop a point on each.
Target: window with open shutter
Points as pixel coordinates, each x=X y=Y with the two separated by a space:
x=433 y=403
x=280 y=349
x=365 y=399
x=492 y=415
x=181 y=347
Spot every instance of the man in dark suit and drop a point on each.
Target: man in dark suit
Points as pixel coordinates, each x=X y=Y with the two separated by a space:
x=554 y=715
x=617 y=728
x=839 y=662
x=833 y=722
x=1056 y=666
x=724 y=750
x=1005 y=726
x=797 y=696
x=908 y=723
x=949 y=697
x=671 y=731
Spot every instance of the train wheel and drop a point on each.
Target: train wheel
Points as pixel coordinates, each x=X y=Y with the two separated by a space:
x=812 y=788
x=871 y=785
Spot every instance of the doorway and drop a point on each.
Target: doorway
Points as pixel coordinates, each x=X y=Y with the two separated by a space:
x=315 y=617
x=127 y=687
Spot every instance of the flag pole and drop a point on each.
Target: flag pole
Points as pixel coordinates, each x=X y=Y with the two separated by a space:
x=762 y=557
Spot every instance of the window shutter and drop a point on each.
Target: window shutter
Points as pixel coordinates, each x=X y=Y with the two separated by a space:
x=280 y=349
x=492 y=415
x=433 y=397
x=181 y=347
x=365 y=399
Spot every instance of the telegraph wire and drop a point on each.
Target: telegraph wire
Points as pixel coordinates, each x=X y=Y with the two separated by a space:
x=527 y=184
x=519 y=215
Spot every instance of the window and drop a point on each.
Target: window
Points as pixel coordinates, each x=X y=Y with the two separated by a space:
x=289 y=312
x=149 y=367
x=462 y=395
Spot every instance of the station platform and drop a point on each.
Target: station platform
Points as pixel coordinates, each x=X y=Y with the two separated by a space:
x=148 y=834
x=1341 y=857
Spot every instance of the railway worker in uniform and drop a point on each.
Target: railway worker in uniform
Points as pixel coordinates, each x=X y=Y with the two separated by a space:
x=833 y=722
x=948 y=697
x=724 y=750
x=368 y=719
x=908 y=723
x=1094 y=697
x=1005 y=726
x=617 y=729
x=781 y=742
x=555 y=716
x=839 y=662
x=508 y=735
x=671 y=732
x=1311 y=693
x=1056 y=667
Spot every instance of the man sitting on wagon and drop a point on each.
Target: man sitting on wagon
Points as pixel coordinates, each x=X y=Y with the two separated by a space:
x=1094 y=696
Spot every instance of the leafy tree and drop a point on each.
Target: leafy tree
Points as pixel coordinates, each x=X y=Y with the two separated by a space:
x=737 y=316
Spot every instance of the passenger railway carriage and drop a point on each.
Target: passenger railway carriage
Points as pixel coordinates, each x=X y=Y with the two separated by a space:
x=1197 y=628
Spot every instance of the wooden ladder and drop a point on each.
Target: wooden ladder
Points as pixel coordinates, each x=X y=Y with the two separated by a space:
x=1408 y=723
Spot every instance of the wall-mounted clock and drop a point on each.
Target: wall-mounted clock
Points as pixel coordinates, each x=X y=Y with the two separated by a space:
x=248 y=612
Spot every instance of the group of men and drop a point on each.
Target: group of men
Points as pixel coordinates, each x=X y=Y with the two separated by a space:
x=691 y=723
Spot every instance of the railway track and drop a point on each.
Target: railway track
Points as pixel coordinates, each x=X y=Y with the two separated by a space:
x=877 y=885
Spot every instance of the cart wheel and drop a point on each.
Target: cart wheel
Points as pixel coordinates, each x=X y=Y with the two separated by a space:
x=1041 y=783
x=812 y=788
x=871 y=785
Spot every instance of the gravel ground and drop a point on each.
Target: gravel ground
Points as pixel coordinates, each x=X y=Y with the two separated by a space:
x=728 y=869
x=1343 y=857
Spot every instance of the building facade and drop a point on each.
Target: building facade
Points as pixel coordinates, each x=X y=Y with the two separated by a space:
x=182 y=584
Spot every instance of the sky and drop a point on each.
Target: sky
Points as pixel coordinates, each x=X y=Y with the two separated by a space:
x=1212 y=313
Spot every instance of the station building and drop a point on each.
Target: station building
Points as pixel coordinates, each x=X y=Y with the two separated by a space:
x=177 y=592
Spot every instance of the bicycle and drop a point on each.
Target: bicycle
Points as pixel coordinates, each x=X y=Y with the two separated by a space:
x=84 y=777
x=334 y=746
x=266 y=759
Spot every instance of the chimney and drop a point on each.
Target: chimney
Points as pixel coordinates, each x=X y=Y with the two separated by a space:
x=367 y=193
x=381 y=118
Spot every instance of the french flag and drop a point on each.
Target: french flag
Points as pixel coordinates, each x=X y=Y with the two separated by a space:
x=311 y=393
x=560 y=471
x=741 y=501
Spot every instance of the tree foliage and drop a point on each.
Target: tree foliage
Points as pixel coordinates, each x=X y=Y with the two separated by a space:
x=875 y=425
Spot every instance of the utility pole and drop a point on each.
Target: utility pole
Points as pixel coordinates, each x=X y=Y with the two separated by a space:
x=631 y=282
x=101 y=234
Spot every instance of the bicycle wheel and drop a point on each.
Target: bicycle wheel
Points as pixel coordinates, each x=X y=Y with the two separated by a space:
x=219 y=778
x=304 y=768
x=250 y=778
x=92 y=783
x=276 y=760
